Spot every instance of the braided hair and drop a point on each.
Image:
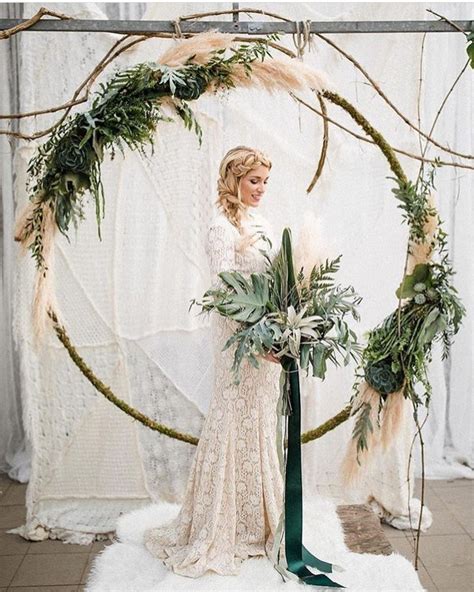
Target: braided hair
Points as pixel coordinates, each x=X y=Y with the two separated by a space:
x=236 y=164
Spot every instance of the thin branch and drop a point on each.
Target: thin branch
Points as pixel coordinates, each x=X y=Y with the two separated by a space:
x=112 y=53
x=443 y=103
x=8 y=33
x=369 y=141
x=199 y=15
x=446 y=20
x=422 y=497
x=103 y=63
x=410 y=457
x=324 y=147
x=388 y=101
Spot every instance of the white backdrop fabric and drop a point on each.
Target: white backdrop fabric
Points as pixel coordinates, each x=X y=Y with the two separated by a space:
x=125 y=300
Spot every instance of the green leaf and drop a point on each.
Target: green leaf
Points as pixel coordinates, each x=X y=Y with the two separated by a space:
x=421 y=274
x=470 y=48
x=319 y=360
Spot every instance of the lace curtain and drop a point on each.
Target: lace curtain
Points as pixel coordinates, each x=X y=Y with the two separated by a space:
x=124 y=300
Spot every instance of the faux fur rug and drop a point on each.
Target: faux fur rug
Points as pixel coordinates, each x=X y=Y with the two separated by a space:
x=126 y=566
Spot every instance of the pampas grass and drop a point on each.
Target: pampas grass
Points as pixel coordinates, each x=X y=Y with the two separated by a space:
x=350 y=465
x=422 y=252
x=312 y=248
x=385 y=430
x=270 y=75
x=198 y=47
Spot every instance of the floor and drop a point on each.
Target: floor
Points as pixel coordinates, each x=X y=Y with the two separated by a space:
x=446 y=549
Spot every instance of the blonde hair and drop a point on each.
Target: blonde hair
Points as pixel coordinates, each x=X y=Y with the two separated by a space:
x=236 y=164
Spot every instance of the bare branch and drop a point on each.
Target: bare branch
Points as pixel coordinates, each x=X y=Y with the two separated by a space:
x=324 y=148
x=388 y=101
x=8 y=33
x=446 y=20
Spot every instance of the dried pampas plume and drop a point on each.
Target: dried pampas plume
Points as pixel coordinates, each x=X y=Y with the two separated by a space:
x=44 y=296
x=384 y=431
x=271 y=74
x=312 y=248
x=350 y=466
x=198 y=47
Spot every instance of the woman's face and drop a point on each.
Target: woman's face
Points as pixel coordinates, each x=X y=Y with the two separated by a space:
x=253 y=186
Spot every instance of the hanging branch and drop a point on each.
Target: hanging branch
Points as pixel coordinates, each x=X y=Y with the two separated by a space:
x=324 y=147
x=8 y=33
x=280 y=48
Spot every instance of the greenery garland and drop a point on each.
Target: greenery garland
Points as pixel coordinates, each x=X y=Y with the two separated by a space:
x=126 y=111
x=399 y=349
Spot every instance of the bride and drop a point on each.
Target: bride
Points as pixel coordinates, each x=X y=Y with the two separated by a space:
x=234 y=493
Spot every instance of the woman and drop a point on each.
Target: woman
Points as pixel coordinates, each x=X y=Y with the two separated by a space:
x=234 y=493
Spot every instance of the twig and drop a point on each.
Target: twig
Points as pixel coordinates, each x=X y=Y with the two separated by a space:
x=443 y=18
x=422 y=500
x=233 y=11
x=443 y=103
x=104 y=62
x=8 y=33
x=418 y=98
x=410 y=456
x=324 y=147
x=112 y=53
x=388 y=101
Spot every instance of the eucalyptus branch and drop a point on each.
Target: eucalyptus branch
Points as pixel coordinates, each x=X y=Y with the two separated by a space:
x=8 y=33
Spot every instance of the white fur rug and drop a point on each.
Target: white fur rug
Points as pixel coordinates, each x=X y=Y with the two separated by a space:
x=126 y=566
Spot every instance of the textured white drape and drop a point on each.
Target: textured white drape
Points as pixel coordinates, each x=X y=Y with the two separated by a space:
x=124 y=300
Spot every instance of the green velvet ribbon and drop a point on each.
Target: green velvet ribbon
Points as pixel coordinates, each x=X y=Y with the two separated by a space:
x=297 y=556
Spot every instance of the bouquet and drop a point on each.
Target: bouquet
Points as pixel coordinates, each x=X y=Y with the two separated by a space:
x=293 y=316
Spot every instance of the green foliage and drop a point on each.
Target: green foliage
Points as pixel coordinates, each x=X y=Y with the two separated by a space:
x=362 y=426
x=399 y=350
x=124 y=113
x=470 y=48
x=277 y=312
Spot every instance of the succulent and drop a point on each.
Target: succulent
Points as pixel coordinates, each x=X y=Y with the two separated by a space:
x=380 y=376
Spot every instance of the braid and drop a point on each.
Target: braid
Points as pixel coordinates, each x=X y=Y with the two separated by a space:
x=236 y=164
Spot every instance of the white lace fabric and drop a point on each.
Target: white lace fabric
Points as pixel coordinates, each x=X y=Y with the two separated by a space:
x=234 y=493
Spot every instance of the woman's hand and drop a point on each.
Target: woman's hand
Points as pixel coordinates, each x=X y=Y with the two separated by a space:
x=271 y=358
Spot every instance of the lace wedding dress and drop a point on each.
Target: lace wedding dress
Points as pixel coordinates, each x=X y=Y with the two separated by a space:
x=234 y=493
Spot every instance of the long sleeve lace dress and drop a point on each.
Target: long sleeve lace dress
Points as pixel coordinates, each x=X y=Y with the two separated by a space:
x=234 y=493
